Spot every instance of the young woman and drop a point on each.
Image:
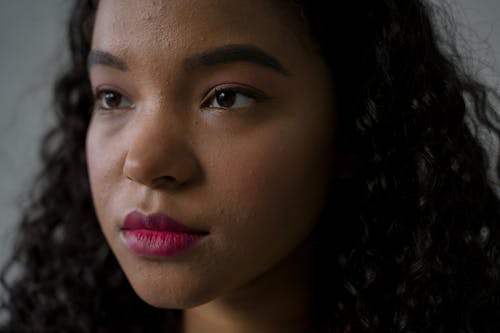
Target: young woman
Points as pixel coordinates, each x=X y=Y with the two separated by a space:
x=261 y=166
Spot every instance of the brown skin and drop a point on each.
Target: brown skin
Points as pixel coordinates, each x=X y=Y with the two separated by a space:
x=253 y=175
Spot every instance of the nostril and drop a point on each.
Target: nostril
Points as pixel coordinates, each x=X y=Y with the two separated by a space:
x=165 y=181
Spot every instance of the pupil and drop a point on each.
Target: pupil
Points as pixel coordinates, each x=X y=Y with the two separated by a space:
x=112 y=99
x=226 y=98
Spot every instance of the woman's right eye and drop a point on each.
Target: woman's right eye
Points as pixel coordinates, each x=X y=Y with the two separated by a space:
x=111 y=100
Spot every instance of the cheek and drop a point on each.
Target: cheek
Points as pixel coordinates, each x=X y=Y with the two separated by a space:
x=267 y=191
x=272 y=185
x=103 y=168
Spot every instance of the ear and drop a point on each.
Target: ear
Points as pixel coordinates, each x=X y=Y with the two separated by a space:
x=347 y=166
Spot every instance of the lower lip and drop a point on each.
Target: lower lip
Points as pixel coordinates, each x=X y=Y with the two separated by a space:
x=158 y=244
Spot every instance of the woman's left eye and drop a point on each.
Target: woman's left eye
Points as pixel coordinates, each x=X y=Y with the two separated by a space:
x=232 y=98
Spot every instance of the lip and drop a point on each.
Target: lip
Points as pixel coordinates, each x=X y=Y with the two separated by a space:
x=157 y=235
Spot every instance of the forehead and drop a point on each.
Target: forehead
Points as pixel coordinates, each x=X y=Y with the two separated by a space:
x=172 y=25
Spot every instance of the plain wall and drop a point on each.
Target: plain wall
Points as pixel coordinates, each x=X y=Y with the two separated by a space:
x=32 y=35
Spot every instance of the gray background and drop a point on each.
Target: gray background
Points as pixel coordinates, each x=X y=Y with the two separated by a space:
x=31 y=48
x=32 y=34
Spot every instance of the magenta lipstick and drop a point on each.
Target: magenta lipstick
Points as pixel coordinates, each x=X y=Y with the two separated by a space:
x=157 y=235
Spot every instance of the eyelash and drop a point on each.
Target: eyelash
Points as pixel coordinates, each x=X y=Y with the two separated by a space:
x=99 y=104
x=248 y=93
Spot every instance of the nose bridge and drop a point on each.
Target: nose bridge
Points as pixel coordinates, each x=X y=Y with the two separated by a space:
x=158 y=148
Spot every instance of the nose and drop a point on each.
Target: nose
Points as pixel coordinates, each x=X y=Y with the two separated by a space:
x=159 y=154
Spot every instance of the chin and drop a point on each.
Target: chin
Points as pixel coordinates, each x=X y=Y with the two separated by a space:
x=168 y=294
x=172 y=301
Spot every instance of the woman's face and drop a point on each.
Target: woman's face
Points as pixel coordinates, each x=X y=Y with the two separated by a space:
x=219 y=115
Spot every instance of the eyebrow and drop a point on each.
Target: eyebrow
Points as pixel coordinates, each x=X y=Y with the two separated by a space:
x=234 y=53
x=99 y=57
x=216 y=56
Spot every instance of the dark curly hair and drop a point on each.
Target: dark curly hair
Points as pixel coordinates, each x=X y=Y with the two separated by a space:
x=416 y=226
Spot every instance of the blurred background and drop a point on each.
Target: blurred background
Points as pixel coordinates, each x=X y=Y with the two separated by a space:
x=32 y=50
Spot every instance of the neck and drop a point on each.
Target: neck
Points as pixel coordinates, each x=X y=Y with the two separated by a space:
x=281 y=300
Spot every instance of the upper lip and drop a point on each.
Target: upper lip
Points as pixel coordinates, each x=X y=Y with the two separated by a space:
x=136 y=220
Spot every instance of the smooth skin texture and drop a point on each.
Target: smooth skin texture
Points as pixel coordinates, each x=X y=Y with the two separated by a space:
x=250 y=165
